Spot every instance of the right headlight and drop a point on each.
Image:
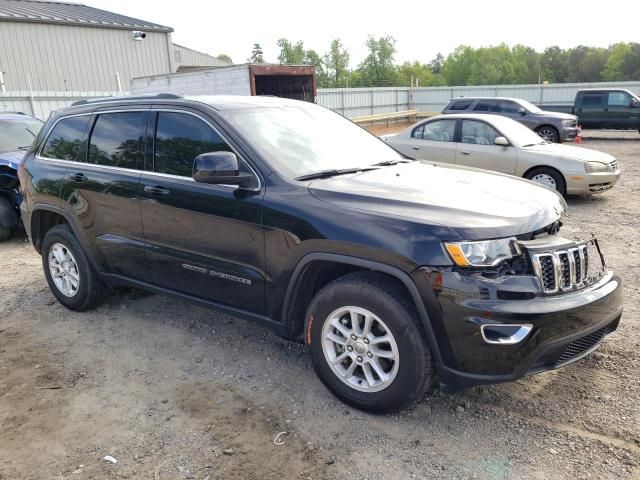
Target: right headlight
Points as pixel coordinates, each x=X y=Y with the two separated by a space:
x=596 y=167
x=487 y=253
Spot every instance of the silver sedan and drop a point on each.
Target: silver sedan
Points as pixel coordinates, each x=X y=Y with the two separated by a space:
x=504 y=145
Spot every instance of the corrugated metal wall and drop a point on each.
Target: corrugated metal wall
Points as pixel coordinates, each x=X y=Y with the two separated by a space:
x=41 y=104
x=185 y=57
x=351 y=102
x=355 y=102
x=233 y=80
x=68 y=58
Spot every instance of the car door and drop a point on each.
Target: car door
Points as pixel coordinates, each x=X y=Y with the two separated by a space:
x=477 y=148
x=203 y=240
x=432 y=140
x=101 y=190
x=619 y=113
x=590 y=111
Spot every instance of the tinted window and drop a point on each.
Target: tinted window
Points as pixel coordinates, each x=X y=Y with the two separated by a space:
x=180 y=138
x=116 y=140
x=487 y=106
x=438 y=131
x=461 y=105
x=65 y=139
x=509 y=107
x=619 y=99
x=592 y=100
x=478 y=133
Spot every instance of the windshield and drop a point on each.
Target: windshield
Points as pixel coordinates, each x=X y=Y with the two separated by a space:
x=517 y=133
x=18 y=134
x=303 y=139
x=529 y=106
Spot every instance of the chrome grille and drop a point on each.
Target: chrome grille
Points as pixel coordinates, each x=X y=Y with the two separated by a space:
x=562 y=270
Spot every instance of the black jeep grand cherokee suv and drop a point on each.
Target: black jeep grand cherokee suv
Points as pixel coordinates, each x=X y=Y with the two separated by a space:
x=394 y=272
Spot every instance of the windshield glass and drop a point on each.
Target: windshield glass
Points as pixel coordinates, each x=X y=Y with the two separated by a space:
x=302 y=139
x=18 y=134
x=529 y=106
x=516 y=132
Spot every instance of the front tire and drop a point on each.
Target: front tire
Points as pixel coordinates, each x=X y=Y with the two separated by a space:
x=70 y=275
x=550 y=134
x=549 y=178
x=367 y=344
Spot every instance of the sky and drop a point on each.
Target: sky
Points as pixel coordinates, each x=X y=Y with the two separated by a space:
x=421 y=28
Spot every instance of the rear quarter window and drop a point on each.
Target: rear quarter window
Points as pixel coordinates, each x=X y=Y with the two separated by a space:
x=65 y=139
x=460 y=105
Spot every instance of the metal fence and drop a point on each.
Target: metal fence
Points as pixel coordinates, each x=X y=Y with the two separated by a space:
x=355 y=102
x=350 y=102
x=41 y=104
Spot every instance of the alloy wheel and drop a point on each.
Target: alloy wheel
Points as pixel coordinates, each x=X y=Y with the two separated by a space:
x=64 y=270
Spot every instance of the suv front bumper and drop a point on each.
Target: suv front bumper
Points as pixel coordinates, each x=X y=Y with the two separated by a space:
x=564 y=329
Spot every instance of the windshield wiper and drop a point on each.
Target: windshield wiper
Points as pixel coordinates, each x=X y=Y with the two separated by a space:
x=332 y=173
x=387 y=163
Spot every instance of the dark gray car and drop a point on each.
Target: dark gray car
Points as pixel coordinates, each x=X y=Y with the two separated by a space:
x=552 y=126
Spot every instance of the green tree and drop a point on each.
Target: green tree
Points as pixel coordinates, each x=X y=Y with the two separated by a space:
x=526 y=65
x=225 y=58
x=291 y=53
x=585 y=64
x=554 y=65
x=623 y=62
x=436 y=64
x=378 y=69
x=336 y=61
x=311 y=57
x=421 y=74
x=492 y=66
x=456 y=69
x=257 y=55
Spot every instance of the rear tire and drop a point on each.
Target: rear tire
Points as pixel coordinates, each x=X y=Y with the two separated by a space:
x=386 y=361
x=548 y=177
x=70 y=275
x=549 y=133
x=5 y=233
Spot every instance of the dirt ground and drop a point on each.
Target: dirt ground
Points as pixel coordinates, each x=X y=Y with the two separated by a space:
x=174 y=391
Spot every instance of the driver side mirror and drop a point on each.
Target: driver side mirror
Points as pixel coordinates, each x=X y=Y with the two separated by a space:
x=501 y=141
x=219 y=168
x=522 y=111
x=634 y=103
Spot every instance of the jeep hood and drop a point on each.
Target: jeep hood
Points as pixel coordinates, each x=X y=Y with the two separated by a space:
x=12 y=159
x=476 y=204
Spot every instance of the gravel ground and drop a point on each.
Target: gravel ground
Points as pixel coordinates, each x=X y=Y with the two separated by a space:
x=171 y=390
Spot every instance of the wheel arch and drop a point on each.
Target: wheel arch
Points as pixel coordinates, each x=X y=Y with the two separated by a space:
x=297 y=298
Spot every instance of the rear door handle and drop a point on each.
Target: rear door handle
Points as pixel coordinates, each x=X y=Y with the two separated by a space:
x=78 y=177
x=156 y=190
x=464 y=152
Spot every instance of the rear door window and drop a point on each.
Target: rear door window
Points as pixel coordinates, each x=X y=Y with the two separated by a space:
x=438 y=131
x=509 y=108
x=65 y=140
x=591 y=100
x=117 y=139
x=487 y=106
x=180 y=138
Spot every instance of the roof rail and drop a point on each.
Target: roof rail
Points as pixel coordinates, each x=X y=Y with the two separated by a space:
x=159 y=96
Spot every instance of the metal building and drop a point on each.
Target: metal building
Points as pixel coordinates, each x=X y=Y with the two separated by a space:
x=58 y=46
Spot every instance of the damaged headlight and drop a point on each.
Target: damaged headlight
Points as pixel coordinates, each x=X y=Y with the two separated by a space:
x=596 y=167
x=487 y=253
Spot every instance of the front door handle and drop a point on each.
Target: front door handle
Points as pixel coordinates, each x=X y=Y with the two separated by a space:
x=78 y=177
x=465 y=152
x=416 y=148
x=156 y=190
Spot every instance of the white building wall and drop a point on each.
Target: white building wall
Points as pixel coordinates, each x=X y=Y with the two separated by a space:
x=69 y=58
